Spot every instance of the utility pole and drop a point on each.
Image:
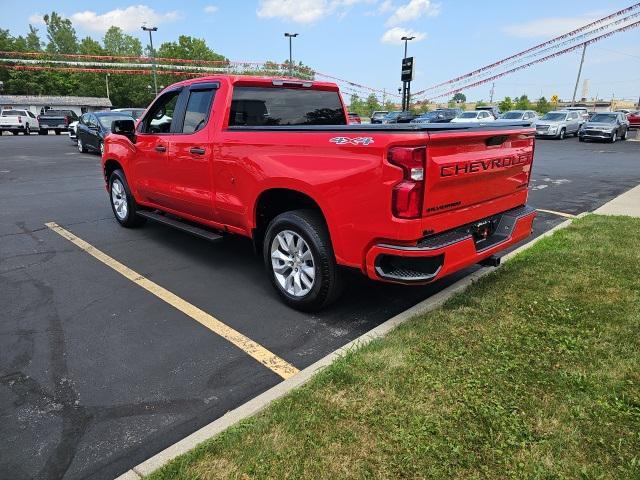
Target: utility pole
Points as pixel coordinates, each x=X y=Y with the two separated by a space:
x=491 y=95
x=153 y=55
x=406 y=86
x=575 y=89
x=384 y=97
x=106 y=78
x=290 y=35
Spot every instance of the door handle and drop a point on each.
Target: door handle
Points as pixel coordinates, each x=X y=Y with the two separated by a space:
x=161 y=148
x=197 y=150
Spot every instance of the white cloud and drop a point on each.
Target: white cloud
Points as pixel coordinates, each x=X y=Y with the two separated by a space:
x=36 y=19
x=548 y=27
x=395 y=34
x=385 y=6
x=210 y=9
x=413 y=11
x=129 y=19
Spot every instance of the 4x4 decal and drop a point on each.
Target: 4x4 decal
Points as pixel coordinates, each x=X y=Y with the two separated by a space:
x=352 y=140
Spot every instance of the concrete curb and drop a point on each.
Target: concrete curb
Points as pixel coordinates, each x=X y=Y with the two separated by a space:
x=259 y=403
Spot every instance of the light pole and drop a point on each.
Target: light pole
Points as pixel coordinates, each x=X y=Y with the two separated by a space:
x=153 y=55
x=106 y=79
x=406 y=86
x=290 y=35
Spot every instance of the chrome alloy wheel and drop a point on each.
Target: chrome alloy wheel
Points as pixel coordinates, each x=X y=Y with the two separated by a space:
x=119 y=199
x=101 y=148
x=80 y=148
x=293 y=263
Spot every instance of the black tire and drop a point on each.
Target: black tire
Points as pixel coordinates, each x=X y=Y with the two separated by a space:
x=328 y=282
x=81 y=147
x=27 y=130
x=101 y=148
x=562 y=134
x=614 y=137
x=581 y=139
x=43 y=132
x=57 y=132
x=624 y=136
x=15 y=132
x=131 y=219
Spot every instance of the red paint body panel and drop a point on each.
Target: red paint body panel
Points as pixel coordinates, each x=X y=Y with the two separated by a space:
x=465 y=179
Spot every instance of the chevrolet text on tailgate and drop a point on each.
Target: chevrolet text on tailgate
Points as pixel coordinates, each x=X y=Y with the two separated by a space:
x=274 y=160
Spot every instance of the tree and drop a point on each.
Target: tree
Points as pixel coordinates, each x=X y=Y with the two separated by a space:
x=506 y=104
x=481 y=103
x=356 y=105
x=61 y=34
x=116 y=42
x=88 y=46
x=190 y=48
x=34 y=44
x=459 y=98
x=371 y=104
x=522 y=103
x=543 y=106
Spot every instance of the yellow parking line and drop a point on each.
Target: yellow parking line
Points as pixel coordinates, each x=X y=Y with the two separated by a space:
x=257 y=351
x=560 y=214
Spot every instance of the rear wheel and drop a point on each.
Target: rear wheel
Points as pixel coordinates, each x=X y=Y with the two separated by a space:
x=15 y=132
x=299 y=258
x=43 y=132
x=57 y=132
x=122 y=202
x=581 y=139
x=624 y=135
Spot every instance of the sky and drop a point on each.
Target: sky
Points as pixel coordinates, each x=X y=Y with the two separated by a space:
x=358 y=40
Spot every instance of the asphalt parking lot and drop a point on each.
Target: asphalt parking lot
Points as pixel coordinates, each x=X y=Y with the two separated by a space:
x=97 y=375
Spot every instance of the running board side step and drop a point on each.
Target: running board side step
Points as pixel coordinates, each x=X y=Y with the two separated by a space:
x=181 y=225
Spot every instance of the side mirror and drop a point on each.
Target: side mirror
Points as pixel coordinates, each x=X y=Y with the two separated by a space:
x=124 y=127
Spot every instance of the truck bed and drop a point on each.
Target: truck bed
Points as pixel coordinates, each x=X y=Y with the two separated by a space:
x=390 y=128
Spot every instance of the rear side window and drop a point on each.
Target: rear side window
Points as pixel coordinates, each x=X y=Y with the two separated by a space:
x=197 y=112
x=265 y=106
x=11 y=113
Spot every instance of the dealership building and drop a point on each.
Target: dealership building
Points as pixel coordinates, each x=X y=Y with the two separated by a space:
x=38 y=104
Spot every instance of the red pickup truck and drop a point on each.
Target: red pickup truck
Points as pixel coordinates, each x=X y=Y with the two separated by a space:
x=275 y=160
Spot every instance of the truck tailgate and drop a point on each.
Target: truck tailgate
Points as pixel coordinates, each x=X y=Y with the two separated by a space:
x=473 y=167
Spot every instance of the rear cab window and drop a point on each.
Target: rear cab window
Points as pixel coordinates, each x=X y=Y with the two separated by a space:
x=278 y=106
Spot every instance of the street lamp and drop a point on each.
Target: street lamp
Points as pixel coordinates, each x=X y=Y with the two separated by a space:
x=153 y=54
x=406 y=85
x=290 y=35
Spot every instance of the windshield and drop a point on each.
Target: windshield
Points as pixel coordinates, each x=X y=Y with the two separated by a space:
x=603 y=118
x=468 y=115
x=107 y=120
x=511 y=115
x=554 y=116
x=393 y=114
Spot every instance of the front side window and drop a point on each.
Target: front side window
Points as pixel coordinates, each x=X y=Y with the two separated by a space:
x=267 y=106
x=159 y=118
x=197 y=113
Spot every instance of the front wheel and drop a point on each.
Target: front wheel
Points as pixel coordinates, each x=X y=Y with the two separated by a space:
x=101 y=148
x=43 y=132
x=57 y=132
x=562 y=134
x=614 y=137
x=299 y=258
x=81 y=147
x=27 y=130
x=122 y=202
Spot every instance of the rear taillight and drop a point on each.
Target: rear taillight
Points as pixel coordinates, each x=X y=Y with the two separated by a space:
x=409 y=193
x=19 y=119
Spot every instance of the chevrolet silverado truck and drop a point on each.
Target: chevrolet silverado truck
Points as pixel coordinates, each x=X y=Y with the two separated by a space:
x=275 y=160
x=56 y=120
x=16 y=121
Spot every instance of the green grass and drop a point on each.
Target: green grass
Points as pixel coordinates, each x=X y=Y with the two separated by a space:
x=533 y=372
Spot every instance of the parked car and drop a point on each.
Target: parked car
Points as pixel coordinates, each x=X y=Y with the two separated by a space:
x=290 y=174
x=377 y=116
x=495 y=111
x=398 y=117
x=354 y=118
x=136 y=113
x=73 y=126
x=624 y=110
x=605 y=126
x=583 y=111
x=17 y=120
x=56 y=120
x=634 y=119
x=523 y=115
x=437 y=116
x=475 y=116
x=93 y=128
x=559 y=124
